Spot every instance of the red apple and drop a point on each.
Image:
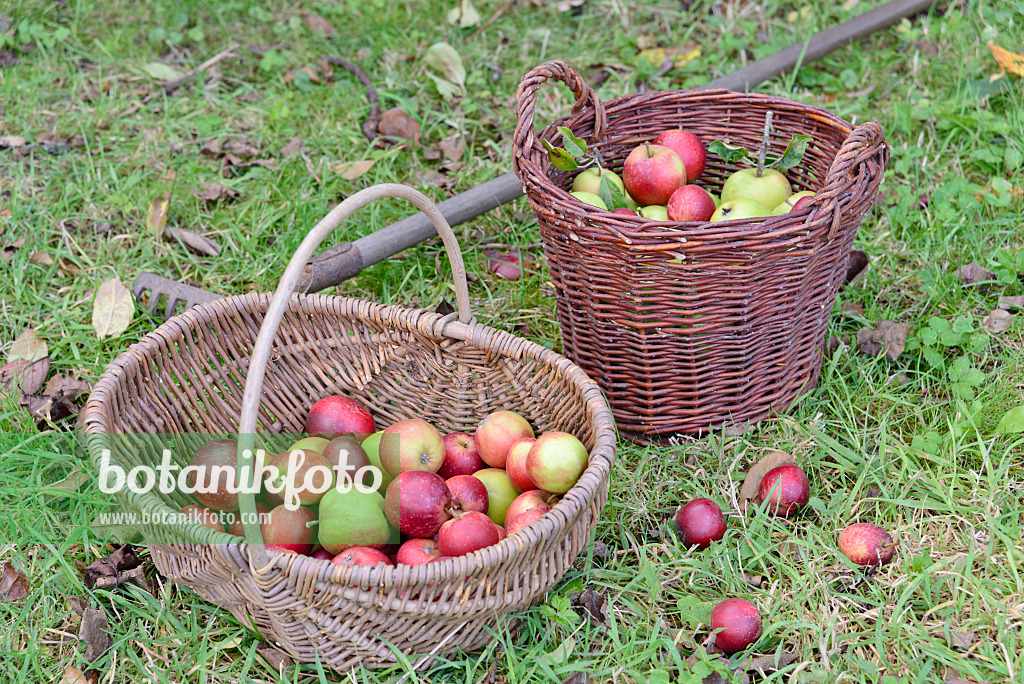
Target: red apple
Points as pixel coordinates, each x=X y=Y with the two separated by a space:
x=417 y=503
x=624 y=211
x=338 y=415
x=689 y=148
x=556 y=461
x=468 y=494
x=501 y=532
x=418 y=552
x=740 y=623
x=700 y=522
x=533 y=499
x=361 y=555
x=411 y=444
x=467 y=533
x=276 y=548
x=322 y=554
x=290 y=529
x=652 y=173
x=523 y=519
x=867 y=544
x=237 y=529
x=497 y=433
x=215 y=464
x=515 y=465
x=204 y=516
x=460 y=455
x=785 y=489
x=307 y=474
x=346 y=456
x=801 y=203
x=690 y=203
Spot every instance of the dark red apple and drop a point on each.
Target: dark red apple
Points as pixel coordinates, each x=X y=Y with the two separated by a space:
x=346 y=456
x=523 y=519
x=467 y=533
x=624 y=211
x=308 y=474
x=652 y=173
x=801 y=203
x=690 y=203
x=417 y=503
x=700 y=522
x=867 y=544
x=533 y=499
x=290 y=529
x=740 y=623
x=339 y=415
x=418 y=552
x=689 y=148
x=215 y=466
x=785 y=489
x=468 y=494
x=497 y=433
x=322 y=554
x=460 y=455
x=361 y=555
x=204 y=516
x=236 y=527
x=515 y=465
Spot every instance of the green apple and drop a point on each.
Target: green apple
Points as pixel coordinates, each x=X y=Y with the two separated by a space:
x=631 y=203
x=500 y=492
x=770 y=188
x=371 y=445
x=718 y=202
x=352 y=518
x=787 y=205
x=317 y=444
x=589 y=198
x=589 y=180
x=740 y=209
x=654 y=212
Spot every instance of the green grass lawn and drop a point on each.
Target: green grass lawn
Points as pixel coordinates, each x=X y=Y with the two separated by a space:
x=911 y=444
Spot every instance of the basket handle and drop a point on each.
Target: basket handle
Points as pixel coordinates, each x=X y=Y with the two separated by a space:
x=275 y=312
x=864 y=142
x=526 y=98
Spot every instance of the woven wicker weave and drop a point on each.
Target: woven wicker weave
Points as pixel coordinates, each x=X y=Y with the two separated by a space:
x=188 y=375
x=691 y=326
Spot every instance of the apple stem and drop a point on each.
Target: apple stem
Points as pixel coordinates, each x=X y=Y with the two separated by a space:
x=763 y=150
x=312 y=523
x=648 y=146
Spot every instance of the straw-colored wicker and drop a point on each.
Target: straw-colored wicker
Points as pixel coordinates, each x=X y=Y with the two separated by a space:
x=187 y=378
x=692 y=326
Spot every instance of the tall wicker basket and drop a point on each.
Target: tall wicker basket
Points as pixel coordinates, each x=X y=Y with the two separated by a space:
x=187 y=378
x=691 y=326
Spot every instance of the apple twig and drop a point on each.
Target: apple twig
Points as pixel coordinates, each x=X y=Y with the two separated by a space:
x=762 y=151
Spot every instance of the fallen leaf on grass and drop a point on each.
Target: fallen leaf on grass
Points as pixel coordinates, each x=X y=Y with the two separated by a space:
x=1012 y=421
x=767 y=663
x=592 y=603
x=12 y=141
x=28 y=346
x=998 y=321
x=9 y=249
x=834 y=343
x=752 y=480
x=276 y=658
x=428 y=178
x=67 y=386
x=962 y=640
x=211 y=148
x=857 y=263
x=24 y=376
x=68 y=267
x=971 y=274
x=1011 y=302
x=112 y=309
x=1008 y=61
x=200 y=244
x=453 y=148
x=162 y=72
x=577 y=678
x=353 y=170
x=309 y=71
x=395 y=123
x=13 y=584
x=464 y=15
x=93 y=633
x=926 y=48
x=887 y=337
x=678 y=56
x=242 y=148
x=72 y=675
x=444 y=307
x=41 y=259
x=450 y=78
x=156 y=216
x=69 y=485
x=291 y=148
x=119 y=567
x=851 y=309
x=318 y=24
x=215 y=192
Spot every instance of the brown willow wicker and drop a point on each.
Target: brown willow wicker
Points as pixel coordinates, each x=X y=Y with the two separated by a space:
x=187 y=377
x=692 y=326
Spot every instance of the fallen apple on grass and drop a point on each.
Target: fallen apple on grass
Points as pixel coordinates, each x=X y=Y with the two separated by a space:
x=338 y=415
x=411 y=444
x=417 y=503
x=497 y=433
x=556 y=461
x=784 y=490
x=700 y=522
x=867 y=544
x=467 y=533
x=739 y=622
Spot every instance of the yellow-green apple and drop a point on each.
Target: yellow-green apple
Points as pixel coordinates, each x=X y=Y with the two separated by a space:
x=211 y=472
x=589 y=180
x=531 y=500
x=417 y=503
x=589 y=198
x=500 y=492
x=418 y=552
x=467 y=533
x=371 y=445
x=203 y=515
x=339 y=415
x=303 y=474
x=461 y=456
x=770 y=188
x=411 y=444
x=352 y=518
x=655 y=212
x=290 y=528
x=311 y=443
x=689 y=148
x=651 y=173
x=740 y=209
x=515 y=464
x=523 y=519
x=556 y=461
x=497 y=433
x=690 y=203
x=361 y=555
x=717 y=201
x=467 y=494
x=794 y=202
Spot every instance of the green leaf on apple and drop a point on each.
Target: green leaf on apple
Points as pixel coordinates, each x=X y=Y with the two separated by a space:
x=573 y=145
x=794 y=153
x=729 y=153
x=560 y=158
x=610 y=194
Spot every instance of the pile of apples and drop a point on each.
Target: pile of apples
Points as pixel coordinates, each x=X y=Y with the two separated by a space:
x=438 y=496
x=783 y=491
x=657 y=181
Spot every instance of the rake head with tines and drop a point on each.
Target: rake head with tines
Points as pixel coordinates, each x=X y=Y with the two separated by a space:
x=158 y=289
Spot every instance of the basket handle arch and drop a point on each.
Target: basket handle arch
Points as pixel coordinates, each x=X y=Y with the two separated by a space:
x=865 y=142
x=275 y=313
x=526 y=105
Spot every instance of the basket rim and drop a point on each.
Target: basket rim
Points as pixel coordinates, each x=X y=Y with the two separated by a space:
x=594 y=478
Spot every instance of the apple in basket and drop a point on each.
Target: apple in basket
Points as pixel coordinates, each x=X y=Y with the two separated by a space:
x=352 y=518
x=690 y=203
x=589 y=198
x=497 y=433
x=418 y=551
x=533 y=500
x=347 y=456
x=770 y=188
x=467 y=533
x=339 y=415
x=589 y=180
x=371 y=445
x=689 y=148
x=204 y=516
x=417 y=503
x=556 y=461
x=361 y=555
x=795 y=202
x=651 y=173
x=467 y=494
x=215 y=461
x=237 y=529
x=524 y=520
x=654 y=212
x=292 y=529
x=500 y=492
x=303 y=473
x=461 y=456
x=515 y=464
x=411 y=444
x=740 y=209
x=317 y=444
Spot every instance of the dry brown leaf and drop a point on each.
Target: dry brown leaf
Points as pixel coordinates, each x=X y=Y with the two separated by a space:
x=291 y=148
x=431 y=154
x=577 y=678
x=433 y=178
x=93 y=632
x=998 y=321
x=13 y=584
x=318 y=24
x=9 y=249
x=112 y=309
x=857 y=263
x=211 y=148
x=242 y=148
x=756 y=473
x=353 y=170
x=962 y=640
x=276 y=658
x=28 y=346
x=675 y=57
x=200 y=244
x=26 y=376
x=67 y=385
x=851 y=309
x=69 y=485
x=1011 y=302
x=215 y=192
x=395 y=123
x=116 y=569
x=887 y=337
x=72 y=675
x=1008 y=61
x=767 y=663
x=68 y=267
x=12 y=141
x=971 y=274
x=41 y=259
x=453 y=148
x=156 y=216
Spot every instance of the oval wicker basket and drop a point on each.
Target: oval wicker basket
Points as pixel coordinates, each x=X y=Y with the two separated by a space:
x=287 y=351
x=693 y=326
